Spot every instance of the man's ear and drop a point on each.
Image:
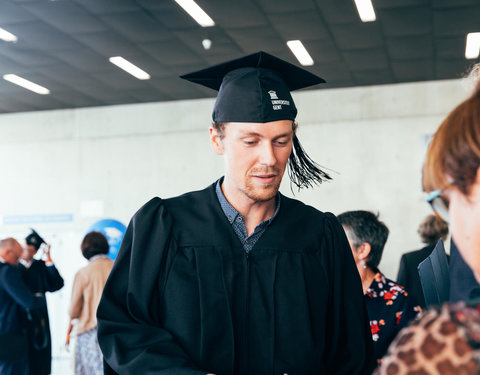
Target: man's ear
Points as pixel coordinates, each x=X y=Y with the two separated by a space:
x=216 y=141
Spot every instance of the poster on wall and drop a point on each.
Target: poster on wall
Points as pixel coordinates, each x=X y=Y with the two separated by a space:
x=114 y=230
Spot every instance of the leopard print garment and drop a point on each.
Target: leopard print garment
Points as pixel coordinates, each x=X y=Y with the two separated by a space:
x=443 y=340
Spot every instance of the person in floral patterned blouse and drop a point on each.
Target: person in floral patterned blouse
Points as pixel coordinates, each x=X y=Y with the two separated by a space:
x=389 y=306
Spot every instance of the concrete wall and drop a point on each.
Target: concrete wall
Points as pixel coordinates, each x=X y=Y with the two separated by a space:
x=116 y=158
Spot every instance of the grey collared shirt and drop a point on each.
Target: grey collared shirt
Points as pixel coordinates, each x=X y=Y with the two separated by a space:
x=238 y=220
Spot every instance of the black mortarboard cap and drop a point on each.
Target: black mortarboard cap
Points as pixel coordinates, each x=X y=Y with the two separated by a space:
x=254 y=88
x=34 y=239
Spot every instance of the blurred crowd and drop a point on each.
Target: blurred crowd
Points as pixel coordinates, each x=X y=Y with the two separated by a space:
x=27 y=273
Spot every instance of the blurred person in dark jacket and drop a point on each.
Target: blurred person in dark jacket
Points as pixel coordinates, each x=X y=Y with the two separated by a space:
x=15 y=298
x=430 y=230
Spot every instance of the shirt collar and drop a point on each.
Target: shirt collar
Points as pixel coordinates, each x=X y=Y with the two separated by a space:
x=26 y=263
x=231 y=213
x=2 y=260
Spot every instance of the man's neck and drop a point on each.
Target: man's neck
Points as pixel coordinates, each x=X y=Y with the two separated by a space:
x=253 y=211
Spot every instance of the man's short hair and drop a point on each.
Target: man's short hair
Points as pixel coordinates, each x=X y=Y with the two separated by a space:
x=94 y=243
x=364 y=226
x=10 y=241
x=220 y=128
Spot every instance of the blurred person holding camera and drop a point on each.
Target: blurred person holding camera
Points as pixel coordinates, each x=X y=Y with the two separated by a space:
x=40 y=276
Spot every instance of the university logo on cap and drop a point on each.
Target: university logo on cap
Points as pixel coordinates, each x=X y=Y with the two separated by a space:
x=273 y=94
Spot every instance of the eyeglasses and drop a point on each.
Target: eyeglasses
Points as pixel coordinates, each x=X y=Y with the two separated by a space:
x=439 y=204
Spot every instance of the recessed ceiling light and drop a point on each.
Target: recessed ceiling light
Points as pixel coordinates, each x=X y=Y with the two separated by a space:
x=129 y=67
x=472 y=48
x=365 y=10
x=6 y=36
x=26 y=84
x=197 y=13
x=207 y=44
x=300 y=52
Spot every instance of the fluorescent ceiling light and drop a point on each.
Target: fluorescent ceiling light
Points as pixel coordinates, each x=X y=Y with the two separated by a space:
x=26 y=84
x=300 y=52
x=129 y=67
x=365 y=10
x=197 y=13
x=6 y=36
x=472 y=48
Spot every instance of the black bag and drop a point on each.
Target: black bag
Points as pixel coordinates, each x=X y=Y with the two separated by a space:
x=13 y=347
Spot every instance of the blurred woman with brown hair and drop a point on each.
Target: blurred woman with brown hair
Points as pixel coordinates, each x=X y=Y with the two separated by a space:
x=446 y=340
x=86 y=292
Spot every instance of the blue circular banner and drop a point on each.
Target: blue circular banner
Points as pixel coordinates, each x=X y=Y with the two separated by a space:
x=114 y=230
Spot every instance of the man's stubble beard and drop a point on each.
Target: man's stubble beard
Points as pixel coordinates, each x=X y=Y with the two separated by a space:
x=259 y=194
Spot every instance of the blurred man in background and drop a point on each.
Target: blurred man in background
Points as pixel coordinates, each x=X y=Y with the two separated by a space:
x=15 y=296
x=40 y=276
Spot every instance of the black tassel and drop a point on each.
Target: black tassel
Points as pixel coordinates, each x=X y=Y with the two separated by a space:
x=302 y=170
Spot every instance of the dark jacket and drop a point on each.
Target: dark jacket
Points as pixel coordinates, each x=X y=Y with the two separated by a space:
x=408 y=272
x=15 y=297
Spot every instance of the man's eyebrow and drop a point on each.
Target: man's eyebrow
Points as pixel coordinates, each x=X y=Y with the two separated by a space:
x=283 y=135
x=247 y=134
x=255 y=134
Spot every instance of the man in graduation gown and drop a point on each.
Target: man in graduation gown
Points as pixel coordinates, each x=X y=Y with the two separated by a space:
x=15 y=297
x=237 y=278
x=41 y=277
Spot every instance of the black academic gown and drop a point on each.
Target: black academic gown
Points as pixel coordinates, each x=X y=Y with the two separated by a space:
x=14 y=298
x=40 y=278
x=185 y=298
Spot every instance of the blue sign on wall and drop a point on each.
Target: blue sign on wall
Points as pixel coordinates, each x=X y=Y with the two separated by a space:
x=30 y=219
x=114 y=230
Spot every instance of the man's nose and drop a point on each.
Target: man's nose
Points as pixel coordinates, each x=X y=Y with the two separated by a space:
x=267 y=154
